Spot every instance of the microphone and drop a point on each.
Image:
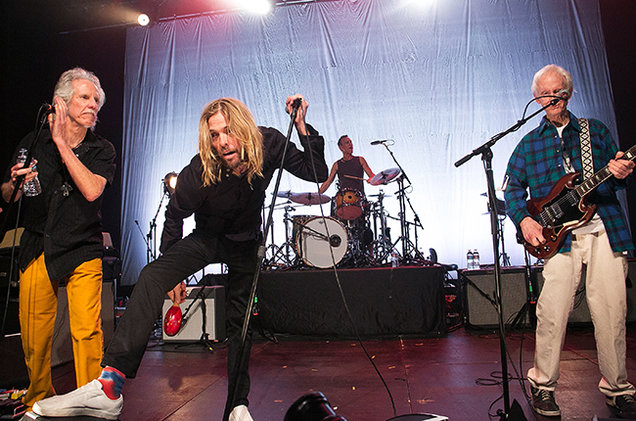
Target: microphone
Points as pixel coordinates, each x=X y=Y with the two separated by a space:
x=564 y=94
x=378 y=142
x=45 y=110
x=49 y=109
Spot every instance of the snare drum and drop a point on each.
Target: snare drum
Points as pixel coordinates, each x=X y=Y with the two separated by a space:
x=349 y=204
x=316 y=236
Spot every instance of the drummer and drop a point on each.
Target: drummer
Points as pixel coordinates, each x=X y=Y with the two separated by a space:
x=350 y=169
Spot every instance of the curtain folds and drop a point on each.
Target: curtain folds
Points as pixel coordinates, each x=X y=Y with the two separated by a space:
x=439 y=81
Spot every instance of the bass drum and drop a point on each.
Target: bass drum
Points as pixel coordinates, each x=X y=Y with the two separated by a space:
x=316 y=237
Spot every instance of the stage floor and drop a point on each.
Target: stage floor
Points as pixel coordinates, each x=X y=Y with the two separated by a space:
x=457 y=375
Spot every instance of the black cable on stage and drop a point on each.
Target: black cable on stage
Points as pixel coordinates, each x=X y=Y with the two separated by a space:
x=344 y=300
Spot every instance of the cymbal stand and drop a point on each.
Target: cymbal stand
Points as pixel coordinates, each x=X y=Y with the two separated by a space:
x=280 y=255
x=407 y=246
x=383 y=244
x=505 y=259
x=410 y=252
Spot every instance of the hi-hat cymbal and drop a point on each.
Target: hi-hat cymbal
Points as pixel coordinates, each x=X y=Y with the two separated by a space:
x=384 y=177
x=378 y=195
x=309 y=198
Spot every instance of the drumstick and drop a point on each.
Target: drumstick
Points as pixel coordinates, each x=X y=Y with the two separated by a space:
x=351 y=176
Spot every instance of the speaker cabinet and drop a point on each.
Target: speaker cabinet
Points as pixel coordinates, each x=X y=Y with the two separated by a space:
x=208 y=301
x=61 y=348
x=478 y=288
x=478 y=295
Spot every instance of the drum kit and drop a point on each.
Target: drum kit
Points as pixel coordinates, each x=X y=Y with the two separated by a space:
x=355 y=234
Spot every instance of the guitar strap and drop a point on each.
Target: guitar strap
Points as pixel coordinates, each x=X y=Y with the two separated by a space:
x=586 y=149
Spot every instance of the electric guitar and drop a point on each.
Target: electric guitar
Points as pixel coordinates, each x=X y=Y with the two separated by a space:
x=565 y=208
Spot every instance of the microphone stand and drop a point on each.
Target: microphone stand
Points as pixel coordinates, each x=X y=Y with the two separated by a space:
x=260 y=256
x=486 y=156
x=403 y=200
x=39 y=126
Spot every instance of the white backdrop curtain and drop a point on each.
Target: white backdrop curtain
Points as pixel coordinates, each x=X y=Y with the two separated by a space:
x=438 y=80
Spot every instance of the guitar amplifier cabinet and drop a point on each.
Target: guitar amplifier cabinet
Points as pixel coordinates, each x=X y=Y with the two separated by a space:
x=212 y=299
x=478 y=296
x=479 y=312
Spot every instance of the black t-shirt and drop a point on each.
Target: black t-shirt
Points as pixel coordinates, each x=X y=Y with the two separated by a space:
x=60 y=221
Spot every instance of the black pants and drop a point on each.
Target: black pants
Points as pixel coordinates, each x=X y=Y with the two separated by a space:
x=186 y=257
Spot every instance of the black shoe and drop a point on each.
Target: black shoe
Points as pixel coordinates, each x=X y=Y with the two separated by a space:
x=625 y=405
x=543 y=402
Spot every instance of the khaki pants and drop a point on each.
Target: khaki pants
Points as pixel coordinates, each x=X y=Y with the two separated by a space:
x=38 y=306
x=606 y=299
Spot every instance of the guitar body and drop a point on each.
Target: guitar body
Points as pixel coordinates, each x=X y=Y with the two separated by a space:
x=560 y=212
x=565 y=208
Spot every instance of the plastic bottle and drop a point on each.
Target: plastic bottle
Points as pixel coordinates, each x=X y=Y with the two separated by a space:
x=470 y=262
x=32 y=187
x=395 y=259
x=476 y=260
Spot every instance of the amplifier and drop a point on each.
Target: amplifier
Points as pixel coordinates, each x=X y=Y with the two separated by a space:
x=478 y=292
x=208 y=301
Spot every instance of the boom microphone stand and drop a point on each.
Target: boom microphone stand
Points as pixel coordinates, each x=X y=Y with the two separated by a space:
x=40 y=121
x=403 y=200
x=257 y=271
x=486 y=156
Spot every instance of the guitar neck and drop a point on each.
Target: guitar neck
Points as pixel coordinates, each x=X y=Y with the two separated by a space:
x=601 y=176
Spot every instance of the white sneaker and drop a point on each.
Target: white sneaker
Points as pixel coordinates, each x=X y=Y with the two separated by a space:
x=240 y=413
x=89 y=400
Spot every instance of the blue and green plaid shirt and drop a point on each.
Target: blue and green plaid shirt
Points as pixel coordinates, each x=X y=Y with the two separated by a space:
x=537 y=164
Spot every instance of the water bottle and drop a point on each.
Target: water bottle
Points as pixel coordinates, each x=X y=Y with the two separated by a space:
x=32 y=187
x=395 y=259
x=476 y=265
x=470 y=262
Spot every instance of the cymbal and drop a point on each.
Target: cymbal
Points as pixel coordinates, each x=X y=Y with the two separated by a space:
x=384 y=177
x=284 y=194
x=380 y=194
x=309 y=198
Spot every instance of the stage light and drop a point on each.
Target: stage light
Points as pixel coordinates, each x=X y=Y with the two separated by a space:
x=143 y=19
x=169 y=183
x=420 y=4
x=260 y=7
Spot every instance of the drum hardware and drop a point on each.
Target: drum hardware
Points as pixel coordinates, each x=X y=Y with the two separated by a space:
x=382 y=245
x=410 y=251
x=280 y=255
x=502 y=211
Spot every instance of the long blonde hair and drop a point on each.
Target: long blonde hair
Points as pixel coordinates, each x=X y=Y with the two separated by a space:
x=241 y=126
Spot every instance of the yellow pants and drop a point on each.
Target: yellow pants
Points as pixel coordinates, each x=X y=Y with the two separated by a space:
x=38 y=306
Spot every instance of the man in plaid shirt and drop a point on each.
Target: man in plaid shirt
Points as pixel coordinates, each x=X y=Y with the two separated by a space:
x=542 y=157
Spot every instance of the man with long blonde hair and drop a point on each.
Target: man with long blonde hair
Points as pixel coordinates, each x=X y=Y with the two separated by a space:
x=224 y=187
